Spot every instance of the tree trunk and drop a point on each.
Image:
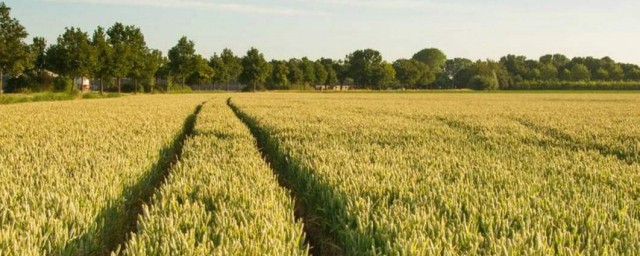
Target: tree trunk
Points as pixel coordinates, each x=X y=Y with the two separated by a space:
x=227 y=86
x=183 y=79
x=254 y=87
x=1 y=83
x=135 y=86
x=101 y=86
x=73 y=82
x=119 y=85
x=155 y=83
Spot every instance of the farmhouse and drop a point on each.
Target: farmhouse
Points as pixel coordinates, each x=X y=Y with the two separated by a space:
x=84 y=84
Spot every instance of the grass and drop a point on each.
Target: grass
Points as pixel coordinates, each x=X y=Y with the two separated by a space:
x=13 y=98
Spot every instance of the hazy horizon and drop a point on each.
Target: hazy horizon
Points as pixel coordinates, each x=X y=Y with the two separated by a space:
x=333 y=28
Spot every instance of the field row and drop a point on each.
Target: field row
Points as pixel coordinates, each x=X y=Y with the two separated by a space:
x=220 y=199
x=496 y=174
x=72 y=172
x=355 y=174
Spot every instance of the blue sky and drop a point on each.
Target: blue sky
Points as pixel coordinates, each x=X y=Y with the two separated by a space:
x=332 y=28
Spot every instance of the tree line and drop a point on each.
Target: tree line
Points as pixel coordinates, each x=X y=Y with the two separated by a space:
x=120 y=53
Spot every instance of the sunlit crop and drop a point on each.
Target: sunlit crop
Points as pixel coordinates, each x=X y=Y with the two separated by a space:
x=413 y=174
x=220 y=199
x=66 y=168
x=322 y=173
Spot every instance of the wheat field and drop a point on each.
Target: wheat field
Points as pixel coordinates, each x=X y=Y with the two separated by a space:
x=322 y=174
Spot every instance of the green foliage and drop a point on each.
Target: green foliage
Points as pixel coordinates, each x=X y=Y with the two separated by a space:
x=31 y=81
x=409 y=72
x=182 y=59
x=255 y=70
x=62 y=84
x=484 y=82
x=203 y=73
x=434 y=58
x=361 y=66
x=321 y=73
x=308 y=71
x=295 y=75
x=384 y=76
x=73 y=56
x=577 y=85
x=38 y=50
x=580 y=72
x=127 y=46
x=454 y=66
x=36 y=97
x=121 y=52
x=227 y=68
x=233 y=66
x=143 y=65
x=278 y=79
x=484 y=75
x=14 y=53
x=104 y=55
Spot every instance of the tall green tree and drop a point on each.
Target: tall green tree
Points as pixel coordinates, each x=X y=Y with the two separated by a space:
x=14 y=53
x=408 y=72
x=484 y=76
x=321 y=73
x=153 y=63
x=342 y=71
x=548 y=72
x=255 y=69
x=102 y=70
x=233 y=66
x=138 y=55
x=73 y=56
x=219 y=70
x=580 y=72
x=516 y=66
x=278 y=79
x=295 y=75
x=453 y=66
x=433 y=57
x=119 y=61
x=557 y=60
x=182 y=59
x=332 y=75
x=227 y=67
x=308 y=71
x=383 y=76
x=202 y=72
x=361 y=65
x=38 y=51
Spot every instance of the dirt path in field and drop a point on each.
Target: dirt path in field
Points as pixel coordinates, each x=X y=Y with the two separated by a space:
x=320 y=243
x=120 y=221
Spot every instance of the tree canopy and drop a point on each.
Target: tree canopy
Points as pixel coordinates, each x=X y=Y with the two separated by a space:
x=255 y=70
x=121 y=53
x=14 y=53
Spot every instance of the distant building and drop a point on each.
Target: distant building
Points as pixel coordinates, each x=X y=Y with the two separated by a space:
x=341 y=87
x=49 y=73
x=84 y=84
x=332 y=87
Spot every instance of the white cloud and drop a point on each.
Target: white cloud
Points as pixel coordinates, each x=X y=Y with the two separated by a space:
x=203 y=4
x=386 y=3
